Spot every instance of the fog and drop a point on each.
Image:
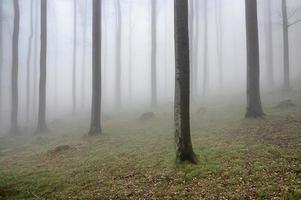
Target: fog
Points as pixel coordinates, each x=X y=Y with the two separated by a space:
x=60 y=55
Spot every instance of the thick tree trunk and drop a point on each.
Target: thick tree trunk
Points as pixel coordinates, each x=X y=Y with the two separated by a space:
x=28 y=71
x=219 y=41
x=43 y=71
x=205 y=64
x=254 y=108
x=184 y=151
x=286 y=62
x=154 y=54
x=269 y=45
x=118 y=54
x=95 y=127
x=15 y=68
x=74 y=56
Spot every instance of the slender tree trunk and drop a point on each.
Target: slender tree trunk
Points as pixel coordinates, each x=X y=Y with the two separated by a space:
x=286 y=62
x=95 y=127
x=43 y=71
x=195 y=53
x=154 y=54
x=269 y=44
x=130 y=51
x=15 y=68
x=83 y=89
x=219 y=41
x=118 y=54
x=74 y=56
x=35 y=58
x=184 y=151
x=191 y=44
x=205 y=65
x=28 y=71
x=254 y=108
x=1 y=58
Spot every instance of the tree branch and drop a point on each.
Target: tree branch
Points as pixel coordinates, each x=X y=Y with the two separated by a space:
x=293 y=23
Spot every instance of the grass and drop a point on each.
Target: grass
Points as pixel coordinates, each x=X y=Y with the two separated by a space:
x=239 y=159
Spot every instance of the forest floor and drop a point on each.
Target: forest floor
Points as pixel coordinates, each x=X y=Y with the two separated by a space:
x=133 y=159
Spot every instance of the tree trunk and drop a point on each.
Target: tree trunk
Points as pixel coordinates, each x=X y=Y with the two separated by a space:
x=95 y=127
x=269 y=45
x=15 y=68
x=118 y=54
x=219 y=41
x=154 y=54
x=184 y=151
x=35 y=58
x=83 y=89
x=205 y=65
x=254 y=108
x=74 y=57
x=28 y=71
x=43 y=71
x=1 y=58
x=130 y=52
x=286 y=62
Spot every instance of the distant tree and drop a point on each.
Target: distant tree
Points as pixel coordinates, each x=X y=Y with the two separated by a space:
x=219 y=40
x=15 y=70
x=269 y=43
x=1 y=55
x=42 y=127
x=286 y=62
x=118 y=54
x=35 y=58
x=74 y=56
x=95 y=127
x=254 y=108
x=205 y=64
x=184 y=150
x=130 y=51
x=154 y=53
x=192 y=44
x=29 y=63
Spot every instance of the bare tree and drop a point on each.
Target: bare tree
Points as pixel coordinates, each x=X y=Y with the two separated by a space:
x=42 y=127
x=269 y=43
x=286 y=63
x=205 y=64
x=1 y=55
x=35 y=58
x=15 y=70
x=95 y=127
x=184 y=150
x=154 y=53
x=74 y=56
x=118 y=54
x=254 y=108
x=29 y=54
x=219 y=40
x=130 y=51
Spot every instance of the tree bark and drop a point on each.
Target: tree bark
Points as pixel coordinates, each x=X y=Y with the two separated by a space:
x=15 y=70
x=74 y=56
x=254 y=108
x=42 y=127
x=269 y=45
x=118 y=54
x=205 y=64
x=286 y=62
x=219 y=41
x=28 y=71
x=184 y=150
x=154 y=54
x=95 y=127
